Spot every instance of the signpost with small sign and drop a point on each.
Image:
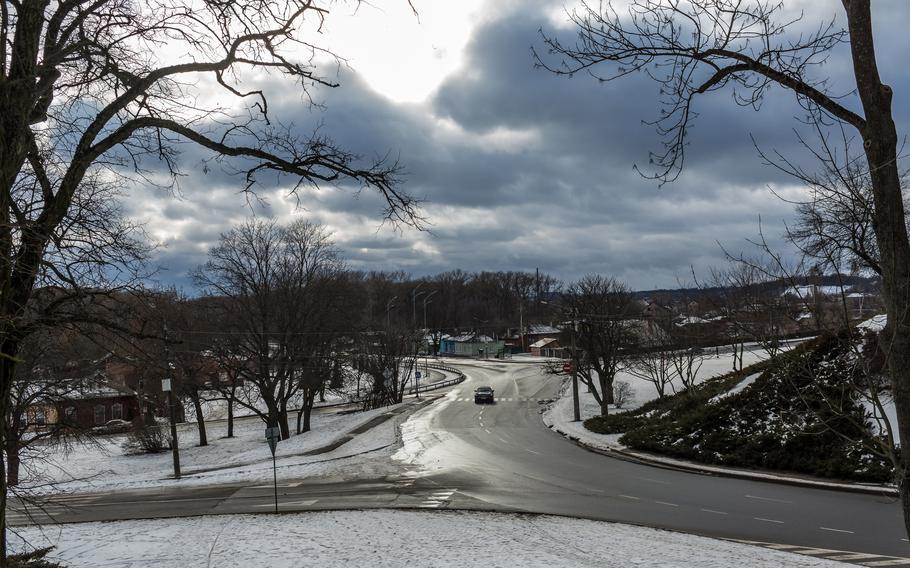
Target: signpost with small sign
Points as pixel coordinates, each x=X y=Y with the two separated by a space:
x=273 y=436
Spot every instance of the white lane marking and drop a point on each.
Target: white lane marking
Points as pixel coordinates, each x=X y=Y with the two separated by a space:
x=836 y=530
x=532 y=451
x=768 y=520
x=629 y=497
x=714 y=512
x=503 y=440
x=855 y=556
x=768 y=499
x=667 y=504
x=487 y=430
x=895 y=562
x=654 y=480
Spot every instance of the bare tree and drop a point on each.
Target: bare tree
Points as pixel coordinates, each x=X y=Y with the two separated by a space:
x=388 y=358
x=276 y=283
x=653 y=361
x=599 y=308
x=691 y=48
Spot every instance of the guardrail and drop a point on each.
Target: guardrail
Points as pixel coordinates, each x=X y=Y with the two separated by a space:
x=427 y=388
x=440 y=384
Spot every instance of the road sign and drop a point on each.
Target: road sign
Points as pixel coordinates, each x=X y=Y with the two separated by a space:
x=165 y=385
x=273 y=435
x=567 y=367
x=417 y=374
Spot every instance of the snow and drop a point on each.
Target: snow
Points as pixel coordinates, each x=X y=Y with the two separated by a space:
x=740 y=387
x=875 y=324
x=104 y=466
x=560 y=415
x=874 y=415
x=391 y=538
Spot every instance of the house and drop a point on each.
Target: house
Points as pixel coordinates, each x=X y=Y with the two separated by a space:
x=548 y=347
x=471 y=345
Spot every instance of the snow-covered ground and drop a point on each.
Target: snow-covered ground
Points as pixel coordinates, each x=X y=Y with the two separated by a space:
x=103 y=465
x=560 y=415
x=391 y=538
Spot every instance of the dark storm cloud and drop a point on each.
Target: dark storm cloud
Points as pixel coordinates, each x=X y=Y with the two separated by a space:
x=523 y=169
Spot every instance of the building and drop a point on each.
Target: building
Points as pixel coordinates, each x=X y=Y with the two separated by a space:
x=471 y=345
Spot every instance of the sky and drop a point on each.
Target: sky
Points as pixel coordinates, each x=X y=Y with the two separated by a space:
x=519 y=169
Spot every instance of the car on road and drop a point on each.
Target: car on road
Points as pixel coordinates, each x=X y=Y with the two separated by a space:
x=483 y=394
x=115 y=426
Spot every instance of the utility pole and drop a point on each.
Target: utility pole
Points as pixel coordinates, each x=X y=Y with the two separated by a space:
x=414 y=295
x=575 y=404
x=166 y=385
x=426 y=330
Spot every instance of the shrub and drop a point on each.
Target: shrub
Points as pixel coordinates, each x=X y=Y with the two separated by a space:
x=147 y=437
x=33 y=559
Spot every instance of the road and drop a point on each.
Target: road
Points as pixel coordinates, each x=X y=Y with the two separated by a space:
x=456 y=454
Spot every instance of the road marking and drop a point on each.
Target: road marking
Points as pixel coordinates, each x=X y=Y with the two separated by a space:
x=532 y=451
x=715 y=512
x=303 y=503
x=768 y=520
x=768 y=499
x=836 y=530
x=667 y=504
x=853 y=556
x=654 y=480
x=503 y=440
x=487 y=430
x=629 y=497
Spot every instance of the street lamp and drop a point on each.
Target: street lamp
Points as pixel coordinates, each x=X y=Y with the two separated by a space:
x=414 y=295
x=388 y=308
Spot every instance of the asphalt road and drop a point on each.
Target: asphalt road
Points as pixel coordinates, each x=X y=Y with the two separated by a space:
x=456 y=454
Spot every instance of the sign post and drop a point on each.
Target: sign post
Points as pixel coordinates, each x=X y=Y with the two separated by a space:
x=273 y=435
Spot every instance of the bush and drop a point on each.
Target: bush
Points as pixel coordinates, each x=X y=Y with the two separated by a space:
x=33 y=559
x=622 y=393
x=147 y=437
x=784 y=421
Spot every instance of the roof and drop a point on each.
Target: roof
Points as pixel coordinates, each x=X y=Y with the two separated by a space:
x=543 y=342
x=541 y=329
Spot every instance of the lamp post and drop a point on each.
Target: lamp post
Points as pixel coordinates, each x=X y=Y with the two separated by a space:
x=168 y=387
x=388 y=309
x=414 y=295
x=575 y=403
x=426 y=362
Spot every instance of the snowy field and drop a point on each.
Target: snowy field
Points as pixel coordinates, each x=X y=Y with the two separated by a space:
x=103 y=465
x=391 y=539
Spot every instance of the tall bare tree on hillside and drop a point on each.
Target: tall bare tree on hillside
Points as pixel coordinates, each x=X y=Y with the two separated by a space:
x=691 y=48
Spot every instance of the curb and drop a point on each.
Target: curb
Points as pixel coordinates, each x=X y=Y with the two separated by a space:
x=691 y=467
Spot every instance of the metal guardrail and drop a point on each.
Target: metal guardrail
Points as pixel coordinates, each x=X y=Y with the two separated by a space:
x=427 y=388
x=440 y=384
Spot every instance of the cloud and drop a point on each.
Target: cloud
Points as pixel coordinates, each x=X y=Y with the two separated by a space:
x=522 y=169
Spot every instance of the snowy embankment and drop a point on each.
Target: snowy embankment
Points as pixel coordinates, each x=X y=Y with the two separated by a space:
x=103 y=465
x=560 y=415
x=391 y=538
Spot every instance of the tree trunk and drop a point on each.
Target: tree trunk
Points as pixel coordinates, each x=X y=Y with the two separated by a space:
x=880 y=144
x=283 y=422
x=200 y=420
x=230 y=417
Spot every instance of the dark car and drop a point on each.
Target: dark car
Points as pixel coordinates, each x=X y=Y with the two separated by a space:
x=483 y=394
x=115 y=426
